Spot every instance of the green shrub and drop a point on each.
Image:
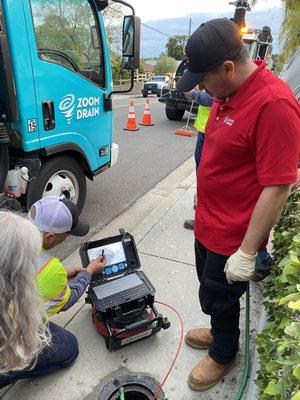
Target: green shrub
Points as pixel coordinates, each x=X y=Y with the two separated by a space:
x=279 y=343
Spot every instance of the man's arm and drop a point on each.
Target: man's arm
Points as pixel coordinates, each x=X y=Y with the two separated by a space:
x=241 y=265
x=265 y=214
x=79 y=284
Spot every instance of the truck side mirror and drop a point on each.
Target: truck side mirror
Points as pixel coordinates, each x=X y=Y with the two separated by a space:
x=131 y=42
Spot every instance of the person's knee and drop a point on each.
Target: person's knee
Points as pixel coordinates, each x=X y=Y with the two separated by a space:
x=219 y=298
x=71 y=349
x=65 y=343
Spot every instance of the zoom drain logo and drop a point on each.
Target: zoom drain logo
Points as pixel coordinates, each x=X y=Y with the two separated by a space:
x=81 y=108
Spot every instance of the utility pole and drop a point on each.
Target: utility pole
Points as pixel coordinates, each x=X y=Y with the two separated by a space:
x=190 y=27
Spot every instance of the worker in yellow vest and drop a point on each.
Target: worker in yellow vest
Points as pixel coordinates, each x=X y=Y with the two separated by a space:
x=205 y=100
x=59 y=286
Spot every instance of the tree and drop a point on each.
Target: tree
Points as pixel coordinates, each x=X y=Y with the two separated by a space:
x=165 y=65
x=142 y=66
x=175 y=46
x=117 y=71
x=290 y=29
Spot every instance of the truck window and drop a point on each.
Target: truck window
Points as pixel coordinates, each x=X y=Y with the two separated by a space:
x=66 y=34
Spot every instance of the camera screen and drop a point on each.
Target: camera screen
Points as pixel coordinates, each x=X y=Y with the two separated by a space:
x=115 y=257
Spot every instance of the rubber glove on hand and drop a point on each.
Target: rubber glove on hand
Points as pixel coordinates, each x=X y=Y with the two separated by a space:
x=240 y=266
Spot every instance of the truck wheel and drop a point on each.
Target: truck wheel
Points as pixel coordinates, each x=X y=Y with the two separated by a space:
x=158 y=94
x=174 y=115
x=145 y=95
x=60 y=176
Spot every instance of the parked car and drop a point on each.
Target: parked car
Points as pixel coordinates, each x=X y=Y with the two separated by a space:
x=155 y=85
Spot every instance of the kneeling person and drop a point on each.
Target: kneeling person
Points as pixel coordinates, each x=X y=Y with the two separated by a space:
x=60 y=286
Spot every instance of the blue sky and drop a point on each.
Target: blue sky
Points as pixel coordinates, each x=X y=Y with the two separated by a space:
x=172 y=18
x=153 y=43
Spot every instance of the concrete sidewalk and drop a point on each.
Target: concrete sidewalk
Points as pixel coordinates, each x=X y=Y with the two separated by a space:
x=167 y=257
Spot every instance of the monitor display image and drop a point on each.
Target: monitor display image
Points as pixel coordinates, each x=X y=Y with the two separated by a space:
x=113 y=252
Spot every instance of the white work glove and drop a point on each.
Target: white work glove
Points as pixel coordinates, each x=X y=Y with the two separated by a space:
x=240 y=267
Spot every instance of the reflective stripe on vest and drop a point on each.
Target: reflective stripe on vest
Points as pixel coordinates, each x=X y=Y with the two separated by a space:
x=202 y=118
x=52 y=282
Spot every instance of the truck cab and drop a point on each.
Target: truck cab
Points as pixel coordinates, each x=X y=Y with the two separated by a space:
x=56 y=86
x=155 y=85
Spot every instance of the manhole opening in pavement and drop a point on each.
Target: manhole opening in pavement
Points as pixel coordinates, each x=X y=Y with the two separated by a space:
x=139 y=387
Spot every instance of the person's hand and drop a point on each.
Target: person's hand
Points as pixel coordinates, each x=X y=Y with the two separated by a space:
x=189 y=95
x=96 y=266
x=296 y=185
x=240 y=266
x=73 y=271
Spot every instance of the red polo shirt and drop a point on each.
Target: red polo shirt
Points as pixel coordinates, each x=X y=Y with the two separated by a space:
x=251 y=141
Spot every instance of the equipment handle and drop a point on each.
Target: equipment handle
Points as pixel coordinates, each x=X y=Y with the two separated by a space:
x=48 y=115
x=141 y=324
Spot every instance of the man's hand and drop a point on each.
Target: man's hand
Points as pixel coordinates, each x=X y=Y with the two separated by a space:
x=240 y=266
x=96 y=266
x=73 y=271
x=189 y=95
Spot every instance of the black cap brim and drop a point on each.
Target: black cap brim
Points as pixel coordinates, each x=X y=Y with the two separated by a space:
x=189 y=81
x=81 y=229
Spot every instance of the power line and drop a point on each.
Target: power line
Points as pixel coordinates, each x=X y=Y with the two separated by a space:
x=157 y=30
x=147 y=26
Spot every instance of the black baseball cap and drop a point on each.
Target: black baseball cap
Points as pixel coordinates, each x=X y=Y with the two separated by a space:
x=211 y=44
x=80 y=226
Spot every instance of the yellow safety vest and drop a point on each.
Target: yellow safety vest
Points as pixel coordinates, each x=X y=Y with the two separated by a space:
x=202 y=118
x=52 y=282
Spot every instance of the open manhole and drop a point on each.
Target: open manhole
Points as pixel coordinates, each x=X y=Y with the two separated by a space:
x=136 y=387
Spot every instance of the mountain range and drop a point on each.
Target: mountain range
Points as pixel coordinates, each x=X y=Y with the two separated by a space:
x=153 y=43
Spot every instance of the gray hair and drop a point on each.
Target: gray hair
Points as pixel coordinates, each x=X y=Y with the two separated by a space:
x=23 y=326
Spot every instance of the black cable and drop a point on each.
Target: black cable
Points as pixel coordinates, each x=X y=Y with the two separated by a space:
x=147 y=26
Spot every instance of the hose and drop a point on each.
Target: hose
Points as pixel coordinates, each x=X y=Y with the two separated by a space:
x=244 y=379
x=122 y=395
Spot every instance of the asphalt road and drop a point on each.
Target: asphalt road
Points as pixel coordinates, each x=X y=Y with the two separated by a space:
x=145 y=158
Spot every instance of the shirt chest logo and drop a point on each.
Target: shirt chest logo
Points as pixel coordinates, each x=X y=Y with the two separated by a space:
x=228 y=121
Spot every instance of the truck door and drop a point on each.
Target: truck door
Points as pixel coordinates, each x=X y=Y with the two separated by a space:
x=70 y=61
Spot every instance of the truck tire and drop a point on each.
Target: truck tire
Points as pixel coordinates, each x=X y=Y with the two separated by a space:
x=145 y=95
x=59 y=176
x=174 y=115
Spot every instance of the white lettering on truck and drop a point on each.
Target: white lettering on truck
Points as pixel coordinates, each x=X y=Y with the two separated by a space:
x=86 y=107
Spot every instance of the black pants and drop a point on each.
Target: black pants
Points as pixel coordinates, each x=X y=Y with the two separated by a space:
x=221 y=301
x=60 y=354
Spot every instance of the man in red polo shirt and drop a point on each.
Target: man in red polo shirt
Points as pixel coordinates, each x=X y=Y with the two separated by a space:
x=249 y=161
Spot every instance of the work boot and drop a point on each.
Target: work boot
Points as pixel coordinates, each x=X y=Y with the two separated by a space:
x=207 y=373
x=189 y=224
x=199 y=338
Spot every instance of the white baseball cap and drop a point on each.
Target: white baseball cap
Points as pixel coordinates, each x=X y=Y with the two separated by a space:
x=56 y=215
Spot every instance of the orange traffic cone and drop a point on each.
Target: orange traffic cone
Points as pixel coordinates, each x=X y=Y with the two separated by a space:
x=146 y=121
x=131 y=121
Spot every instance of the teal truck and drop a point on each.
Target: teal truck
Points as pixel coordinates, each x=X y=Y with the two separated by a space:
x=56 y=90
